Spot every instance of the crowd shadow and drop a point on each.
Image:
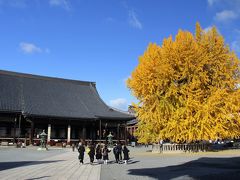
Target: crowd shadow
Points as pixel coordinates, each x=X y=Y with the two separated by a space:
x=201 y=169
x=10 y=165
x=132 y=162
x=41 y=177
x=120 y=162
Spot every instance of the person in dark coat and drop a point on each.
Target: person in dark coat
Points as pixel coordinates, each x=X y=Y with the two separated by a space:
x=98 y=153
x=91 y=153
x=81 y=150
x=116 y=154
x=105 y=152
x=125 y=154
x=119 y=151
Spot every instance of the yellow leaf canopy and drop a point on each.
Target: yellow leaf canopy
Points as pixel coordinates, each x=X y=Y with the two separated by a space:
x=188 y=89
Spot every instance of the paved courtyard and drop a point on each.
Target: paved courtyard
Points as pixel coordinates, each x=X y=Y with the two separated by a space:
x=147 y=166
x=53 y=164
x=31 y=164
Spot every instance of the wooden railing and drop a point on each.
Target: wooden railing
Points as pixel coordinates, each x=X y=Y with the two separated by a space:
x=169 y=148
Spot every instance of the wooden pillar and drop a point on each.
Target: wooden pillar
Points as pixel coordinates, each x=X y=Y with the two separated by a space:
x=93 y=132
x=8 y=130
x=19 y=126
x=100 y=129
x=118 y=126
x=49 y=133
x=14 y=130
x=125 y=133
x=84 y=132
x=31 y=133
x=69 y=134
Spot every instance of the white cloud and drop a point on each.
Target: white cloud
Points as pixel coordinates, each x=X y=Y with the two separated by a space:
x=133 y=20
x=237 y=31
x=235 y=4
x=211 y=2
x=60 y=3
x=225 y=16
x=209 y=28
x=29 y=48
x=119 y=103
x=236 y=46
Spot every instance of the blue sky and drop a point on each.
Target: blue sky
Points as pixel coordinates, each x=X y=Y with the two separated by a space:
x=101 y=40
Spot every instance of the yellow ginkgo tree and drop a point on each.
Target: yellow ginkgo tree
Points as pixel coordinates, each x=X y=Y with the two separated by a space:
x=188 y=89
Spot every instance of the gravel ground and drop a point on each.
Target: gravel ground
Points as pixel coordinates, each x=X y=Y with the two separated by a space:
x=145 y=165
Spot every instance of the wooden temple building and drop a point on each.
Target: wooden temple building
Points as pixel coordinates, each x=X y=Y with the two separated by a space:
x=132 y=126
x=68 y=110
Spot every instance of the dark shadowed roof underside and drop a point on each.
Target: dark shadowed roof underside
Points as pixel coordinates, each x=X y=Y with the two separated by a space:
x=53 y=97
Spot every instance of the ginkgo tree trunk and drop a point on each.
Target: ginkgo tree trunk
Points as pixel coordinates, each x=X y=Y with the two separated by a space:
x=188 y=89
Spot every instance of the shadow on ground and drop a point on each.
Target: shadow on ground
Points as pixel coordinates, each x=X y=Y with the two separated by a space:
x=10 y=165
x=41 y=177
x=202 y=169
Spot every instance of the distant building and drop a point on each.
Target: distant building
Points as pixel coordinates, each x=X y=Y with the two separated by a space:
x=132 y=125
x=68 y=110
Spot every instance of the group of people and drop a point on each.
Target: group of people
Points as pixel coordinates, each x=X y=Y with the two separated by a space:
x=102 y=153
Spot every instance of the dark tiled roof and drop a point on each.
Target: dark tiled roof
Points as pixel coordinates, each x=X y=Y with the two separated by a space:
x=132 y=122
x=53 y=97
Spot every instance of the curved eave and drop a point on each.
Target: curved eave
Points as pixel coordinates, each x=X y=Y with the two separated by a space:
x=132 y=122
x=10 y=111
x=116 y=118
x=59 y=117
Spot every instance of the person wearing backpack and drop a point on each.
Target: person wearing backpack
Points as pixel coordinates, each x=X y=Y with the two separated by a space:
x=105 y=154
x=81 y=150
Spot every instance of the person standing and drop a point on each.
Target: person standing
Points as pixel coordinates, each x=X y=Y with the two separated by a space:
x=125 y=154
x=98 y=153
x=105 y=154
x=91 y=153
x=119 y=151
x=73 y=147
x=81 y=150
x=116 y=154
